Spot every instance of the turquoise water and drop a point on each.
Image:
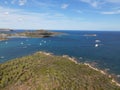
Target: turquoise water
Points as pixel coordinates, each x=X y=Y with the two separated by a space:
x=103 y=49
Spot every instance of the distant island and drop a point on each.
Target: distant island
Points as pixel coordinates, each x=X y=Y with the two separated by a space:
x=90 y=35
x=32 y=34
x=3 y=36
x=36 y=34
x=5 y=29
x=45 y=71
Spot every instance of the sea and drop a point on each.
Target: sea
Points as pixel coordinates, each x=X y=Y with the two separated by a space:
x=101 y=48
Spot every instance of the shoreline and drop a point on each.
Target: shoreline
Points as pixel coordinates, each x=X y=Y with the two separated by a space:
x=73 y=59
x=104 y=73
x=29 y=34
x=42 y=69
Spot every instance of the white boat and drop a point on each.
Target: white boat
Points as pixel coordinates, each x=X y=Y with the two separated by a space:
x=21 y=43
x=40 y=44
x=96 y=45
x=90 y=35
x=97 y=41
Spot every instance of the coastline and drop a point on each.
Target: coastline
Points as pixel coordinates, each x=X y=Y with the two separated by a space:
x=3 y=39
x=29 y=34
x=73 y=59
x=104 y=73
x=61 y=70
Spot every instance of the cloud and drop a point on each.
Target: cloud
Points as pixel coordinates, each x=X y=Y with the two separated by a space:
x=22 y=2
x=64 y=6
x=22 y=19
x=101 y=3
x=18 y=18
x=38 y=3
x=93 y=3
x=19 y=2
x=6 y=13
x=111 y=12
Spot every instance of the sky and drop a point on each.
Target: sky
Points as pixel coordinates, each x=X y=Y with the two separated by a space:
x=60 y=14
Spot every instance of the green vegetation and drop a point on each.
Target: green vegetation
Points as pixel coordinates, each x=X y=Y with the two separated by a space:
x=31 y=34
x=48 y=72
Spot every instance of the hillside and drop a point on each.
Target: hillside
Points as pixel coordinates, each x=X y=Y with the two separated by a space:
x=42 y=71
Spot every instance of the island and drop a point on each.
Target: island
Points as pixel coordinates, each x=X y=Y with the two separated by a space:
x=28 y=33
x=3 y=36
x=6 y=29
x=46 y=71
x=90 y=35
x=36 y=34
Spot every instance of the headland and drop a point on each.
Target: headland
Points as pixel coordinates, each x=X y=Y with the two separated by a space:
x=45 y=71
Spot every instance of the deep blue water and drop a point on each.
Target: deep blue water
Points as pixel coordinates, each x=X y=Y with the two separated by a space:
x=75 y=44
